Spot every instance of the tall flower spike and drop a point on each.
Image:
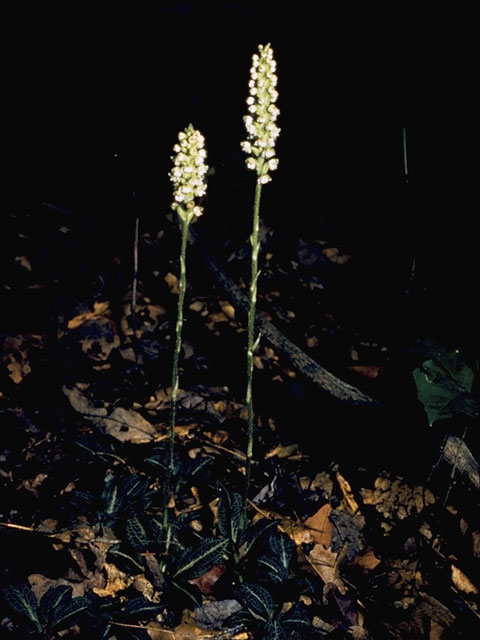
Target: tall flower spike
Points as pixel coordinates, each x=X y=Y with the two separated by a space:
x=262 y=131
x=188 y=173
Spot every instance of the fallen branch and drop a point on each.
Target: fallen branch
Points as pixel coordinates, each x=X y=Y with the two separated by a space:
x=456 y=451
x=292 y=354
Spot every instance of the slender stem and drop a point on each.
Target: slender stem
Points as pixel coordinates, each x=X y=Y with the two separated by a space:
x=405 y=174
x=134 y=287
x=176 y=357
x=405 y=156
x=251 y=342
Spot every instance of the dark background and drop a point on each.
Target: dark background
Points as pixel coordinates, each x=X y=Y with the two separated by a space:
x=95 y=94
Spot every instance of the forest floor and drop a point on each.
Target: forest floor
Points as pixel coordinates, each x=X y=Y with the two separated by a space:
x=358 y=492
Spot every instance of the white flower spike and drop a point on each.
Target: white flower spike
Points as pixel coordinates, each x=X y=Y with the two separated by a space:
x=188 y=173
x=262 y=131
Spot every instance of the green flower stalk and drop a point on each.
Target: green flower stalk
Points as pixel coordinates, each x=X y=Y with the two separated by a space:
x=188 y=177
x=262 y=133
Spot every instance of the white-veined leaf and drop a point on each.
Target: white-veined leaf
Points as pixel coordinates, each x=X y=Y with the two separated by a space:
x=67 y=610
x=191 y=564
x=257 y=599
x=22 y=600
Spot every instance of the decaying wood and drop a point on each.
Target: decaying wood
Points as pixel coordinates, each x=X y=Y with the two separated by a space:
x=467 y=467
x=293 y=355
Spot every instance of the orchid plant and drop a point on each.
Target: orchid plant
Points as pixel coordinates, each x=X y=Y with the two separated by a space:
x=189 y=180
x=262 y=133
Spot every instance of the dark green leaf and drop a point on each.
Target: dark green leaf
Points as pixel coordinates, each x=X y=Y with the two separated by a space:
x=443 y=387
x=21 y=599
x=136 y=536
x=111 y=497
x=254 y=532
x=193 y=563
x=273 y=568
x=197 y=466
x=81 y=499
x=229 y=514
x=67 y=610
x=282 y=547
x=96 y=449
x=296 y=617
x=243 y=617
x=162 y=460
x=132 y=561
x=187 y=592
x=133 y=486
x=256 y=598
x=158 y=461
x=274 y=631
x=136 y=634
x=307 y=585
x=54 y=598
x=140 y=605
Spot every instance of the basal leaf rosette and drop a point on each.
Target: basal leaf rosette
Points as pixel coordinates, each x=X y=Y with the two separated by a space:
x=188 y=173
x=262 y=131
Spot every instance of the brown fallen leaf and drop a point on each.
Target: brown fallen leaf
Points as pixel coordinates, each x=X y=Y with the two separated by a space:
x=125 y=425
x=99 y=309
x=436 y=631
x=320 y=526
x=476 y=544
x=172 y=282
x=147 y=318
x=281 y=451
x=295 y=530
x=227 y=309
x=461 y=582
x=117 y=581
x=216 y=316
x=335 y=255
x=348 y=500
x=24 y=262
x=82 y=404
x=16 y=357
x=32 y=485
x=367 y=561
x=98 y=338
x=206 y=581
x=324 y=561
x=258 y=362
x=395 y=499
x=369 y=371
x=197 y=306
x=188 y=628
